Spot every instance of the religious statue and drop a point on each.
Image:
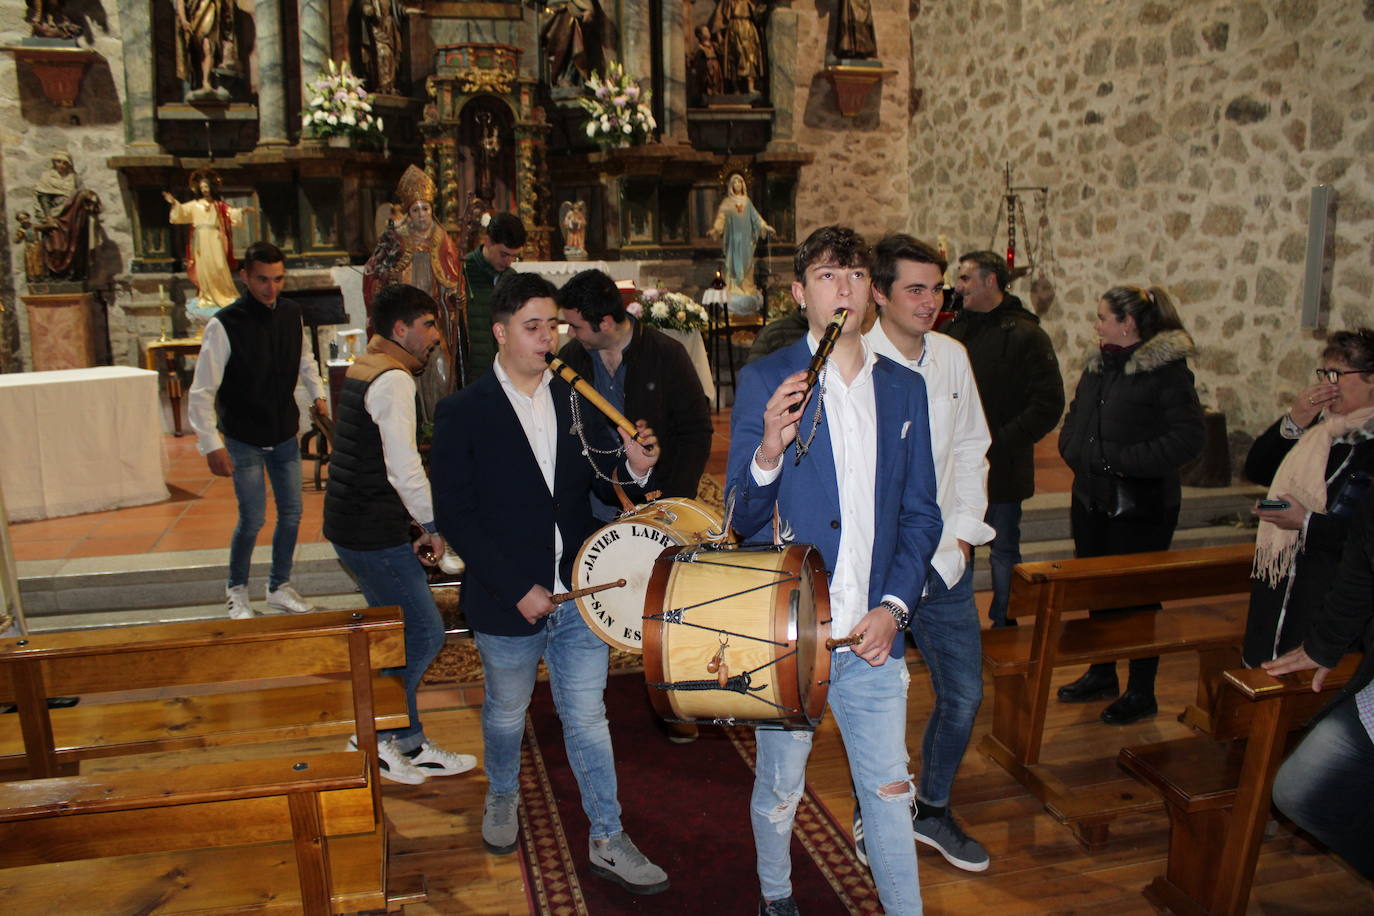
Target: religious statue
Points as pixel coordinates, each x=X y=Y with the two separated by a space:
x=420 y=253
x=572 y=216
x=578 y=39
x=210 y=263
x=707 y=78
x=381 y=43
x=735 y=23
x=207 y=44
x=64 y=225
x=47 y=19
x=739 y=227
x=854 y=31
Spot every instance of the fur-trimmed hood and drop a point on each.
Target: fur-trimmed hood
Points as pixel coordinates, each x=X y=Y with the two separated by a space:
x=1164 y=348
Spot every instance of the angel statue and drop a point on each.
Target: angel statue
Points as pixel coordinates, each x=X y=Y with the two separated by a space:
x=739 y=227
x=572 y=216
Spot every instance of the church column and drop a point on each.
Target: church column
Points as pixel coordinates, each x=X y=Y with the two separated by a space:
x=674 y=73
x=782 y=73
x=271 y=74
x=315 y=40
x=136 y=21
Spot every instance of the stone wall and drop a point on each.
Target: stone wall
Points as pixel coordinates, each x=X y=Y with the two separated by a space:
x=1180 y=140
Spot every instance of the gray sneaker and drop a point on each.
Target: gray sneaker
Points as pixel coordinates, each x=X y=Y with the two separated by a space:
x=500 y=830
x=620 y=861
x=945 y=835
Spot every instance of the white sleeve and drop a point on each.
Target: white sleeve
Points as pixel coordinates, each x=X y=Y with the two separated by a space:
x=764 y=476
x=200 y=402
x=390 y=401
x=309 y=371
x=971 y=441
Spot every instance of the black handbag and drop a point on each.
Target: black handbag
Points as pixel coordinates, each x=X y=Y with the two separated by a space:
x=1135 y=498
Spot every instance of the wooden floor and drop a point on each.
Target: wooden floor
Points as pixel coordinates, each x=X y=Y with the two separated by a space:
x=1036 y=865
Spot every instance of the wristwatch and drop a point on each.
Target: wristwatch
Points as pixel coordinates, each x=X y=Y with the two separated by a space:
x=899 y=614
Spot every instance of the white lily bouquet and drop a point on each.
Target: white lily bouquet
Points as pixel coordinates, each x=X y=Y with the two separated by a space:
x=618 y=108
x=668 y=311
x=339 y=106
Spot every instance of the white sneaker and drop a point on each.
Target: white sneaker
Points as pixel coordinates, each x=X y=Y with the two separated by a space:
x=394 y=765
x=236 y=600
x=286 y=598
x=435 y=761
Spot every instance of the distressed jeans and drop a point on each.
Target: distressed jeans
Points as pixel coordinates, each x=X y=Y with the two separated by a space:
x=946 y=630
x=577 y=660
x=869 y=704
x=282 y=464
x=1004 y=552
x=389 y=576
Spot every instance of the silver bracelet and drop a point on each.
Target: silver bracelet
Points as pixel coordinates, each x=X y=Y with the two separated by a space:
x=766 y=463
x=898 y=613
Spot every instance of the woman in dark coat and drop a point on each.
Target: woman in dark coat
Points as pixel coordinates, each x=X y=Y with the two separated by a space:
x=1134 y=421
x=1318 y=458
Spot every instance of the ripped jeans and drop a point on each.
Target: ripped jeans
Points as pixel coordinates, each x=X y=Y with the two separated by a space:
x=869 y=705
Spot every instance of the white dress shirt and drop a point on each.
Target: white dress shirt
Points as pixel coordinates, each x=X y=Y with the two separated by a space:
x=959 y=441
x=214 y=356
x=390 y=402
x=851 y=412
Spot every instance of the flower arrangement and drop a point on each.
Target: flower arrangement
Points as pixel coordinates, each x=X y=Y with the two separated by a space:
x=339 y=106
x=619 y=110
x=669 y=311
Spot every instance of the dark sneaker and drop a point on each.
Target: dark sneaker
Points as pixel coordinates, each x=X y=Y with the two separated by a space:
x=944 y=834
x=1132 y=707
x=500 y=830
x=784 y=907
x=860 y=851
x=619 y=860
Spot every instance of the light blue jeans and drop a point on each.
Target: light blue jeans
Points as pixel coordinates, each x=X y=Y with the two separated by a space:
x=282 y=464
x=389 y=576
x=577 y=660
x=869 y=704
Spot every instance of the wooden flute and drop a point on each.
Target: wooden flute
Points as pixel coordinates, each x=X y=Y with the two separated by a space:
x=569 y=375
x=827 y=343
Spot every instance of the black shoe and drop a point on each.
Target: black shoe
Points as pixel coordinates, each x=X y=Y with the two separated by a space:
x=1091 y=686
x=784 y=907
x=1002 y=624
x=1132 y=707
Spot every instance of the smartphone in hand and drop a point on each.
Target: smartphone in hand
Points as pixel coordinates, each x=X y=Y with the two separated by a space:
x=1273 y=504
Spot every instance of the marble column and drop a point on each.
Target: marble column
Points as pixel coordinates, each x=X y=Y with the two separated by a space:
x=782 y=74
x=271 y=74
x=136 y=27
x=674 y=73
x=315 y=40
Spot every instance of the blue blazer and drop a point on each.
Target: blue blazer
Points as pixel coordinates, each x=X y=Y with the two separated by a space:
x=492 y=505
x=907 y=521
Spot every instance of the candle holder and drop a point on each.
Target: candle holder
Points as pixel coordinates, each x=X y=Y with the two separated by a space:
x=164 y=306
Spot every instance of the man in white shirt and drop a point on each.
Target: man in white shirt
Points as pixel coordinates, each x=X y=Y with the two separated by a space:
x=242 y=406
x=908 y=278
x=377 y=486
x=851 y=473
x=513 y=478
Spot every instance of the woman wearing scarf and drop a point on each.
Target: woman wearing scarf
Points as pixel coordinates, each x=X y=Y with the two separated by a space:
x=1318 y=458
x=1134 y=421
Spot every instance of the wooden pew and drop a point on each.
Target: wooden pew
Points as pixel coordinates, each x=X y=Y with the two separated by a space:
x=289 y=834
x=1022 y=659
x=201 y=686
x=1217 y=789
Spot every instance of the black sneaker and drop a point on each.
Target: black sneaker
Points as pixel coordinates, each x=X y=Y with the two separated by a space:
x=784 y=907
x=944 y=834
x=860 y=851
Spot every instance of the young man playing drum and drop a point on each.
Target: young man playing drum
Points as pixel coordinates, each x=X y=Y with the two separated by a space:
x=512 y=484
x=851 y=473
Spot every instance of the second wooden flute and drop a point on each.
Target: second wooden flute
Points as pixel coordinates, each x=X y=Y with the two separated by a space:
x=584 y=388
x=827 y=343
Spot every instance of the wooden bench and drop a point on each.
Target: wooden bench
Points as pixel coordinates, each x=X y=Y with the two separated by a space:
x=1217 y=789
x=203 y=680
x=289 y=834
x=1022 y=659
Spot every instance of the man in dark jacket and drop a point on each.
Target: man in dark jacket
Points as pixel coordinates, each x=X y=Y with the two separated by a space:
x=483 y=266
x=644 y=373
x=1023 y=396
x=1324 y=786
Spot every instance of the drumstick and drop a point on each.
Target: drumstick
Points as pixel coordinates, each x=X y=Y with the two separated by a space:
x=833 y=644
x=589 y=590
x=569 y=375
x=832 y=332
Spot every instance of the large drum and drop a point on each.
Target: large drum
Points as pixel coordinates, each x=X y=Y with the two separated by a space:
x=738 y=635
x=626 y=549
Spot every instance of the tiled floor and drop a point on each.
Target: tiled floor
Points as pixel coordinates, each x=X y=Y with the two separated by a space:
x=201 y=511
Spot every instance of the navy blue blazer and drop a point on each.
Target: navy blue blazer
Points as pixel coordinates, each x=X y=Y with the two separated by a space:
x=907 y=521
x=492 y=505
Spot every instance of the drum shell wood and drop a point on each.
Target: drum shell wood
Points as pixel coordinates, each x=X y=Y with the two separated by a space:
x=793 y=665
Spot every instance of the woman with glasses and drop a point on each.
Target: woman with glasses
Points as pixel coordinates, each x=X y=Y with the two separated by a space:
x=1134 y=421
x=1316 y=460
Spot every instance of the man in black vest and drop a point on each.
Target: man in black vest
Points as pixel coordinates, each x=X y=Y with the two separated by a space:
x=377 y=485
x=243 y=408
